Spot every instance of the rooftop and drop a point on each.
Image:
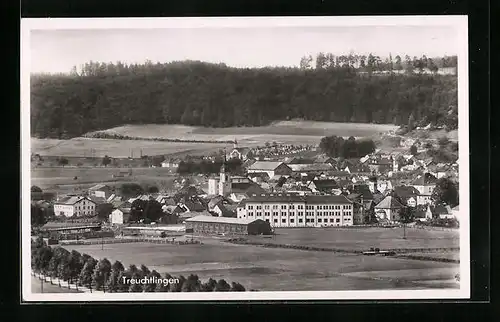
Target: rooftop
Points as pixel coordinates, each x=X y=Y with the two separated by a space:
x=265 y=165
x=293 y=197
x=389 y=202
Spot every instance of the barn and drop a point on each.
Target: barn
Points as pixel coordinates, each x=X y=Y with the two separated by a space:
x=227 y=226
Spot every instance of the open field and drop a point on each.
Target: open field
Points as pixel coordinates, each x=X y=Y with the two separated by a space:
x=286 y=132
x=363 y=238
x=278 y=131
x=267 y=269
x=62 y=178
x=80 y=147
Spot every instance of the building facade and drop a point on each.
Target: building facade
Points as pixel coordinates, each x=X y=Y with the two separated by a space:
x=75 y=206
x=290 y=210
x=228 y=226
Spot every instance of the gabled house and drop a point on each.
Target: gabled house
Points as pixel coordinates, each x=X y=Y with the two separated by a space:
x=71 y=206
x=225 y=210
x=388 y=209
x=408 y=195
x=119 y=216
x=272 y=168
x=323 y=185
x=101 y=191
x=240 y=153
x=425 y=185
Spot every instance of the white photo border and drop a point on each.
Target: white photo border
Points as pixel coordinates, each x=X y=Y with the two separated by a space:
x=459 y=22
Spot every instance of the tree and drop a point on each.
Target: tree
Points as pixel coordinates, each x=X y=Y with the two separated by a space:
x=209 y=286
x=177 y=287
x=106 y=160
x=222 y=286
x=102 y=272
x=446 y=191
x=398 y=65
x=192 y=284
x=130 y=190
x=153 y=189
x=411 y=123
x=63 y=161
x=237 y=287
x=75 y=265
x=151 y=287
x=306 y=62
x=164 y=287
x=406 y=216
x=443 y=142
x=413 y=150
x=86 y=273
x=36 y=189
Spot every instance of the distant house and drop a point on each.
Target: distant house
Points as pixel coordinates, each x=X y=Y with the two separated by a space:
x=408 y=194
x=312 y=168
x=425 y=185
x=258 y=177
x=240 y=153
x=388 y=209
x=325 y=159
x=119 y=216
x=225 y=210
x=74 y=206
x=272 y=168
x=323 y=185
x=442 y=212
x=171 y=163
x=101 y=191
x=423 y=215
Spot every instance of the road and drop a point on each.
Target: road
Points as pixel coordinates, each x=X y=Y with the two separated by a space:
x=36 y=287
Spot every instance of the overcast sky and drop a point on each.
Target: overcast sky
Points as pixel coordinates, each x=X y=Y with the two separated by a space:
x=58 y=50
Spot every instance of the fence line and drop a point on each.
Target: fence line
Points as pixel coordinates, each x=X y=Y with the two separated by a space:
x=131 y=240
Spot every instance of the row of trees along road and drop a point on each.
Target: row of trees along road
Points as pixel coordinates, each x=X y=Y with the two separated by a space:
x=103 y=95
x=85 y=270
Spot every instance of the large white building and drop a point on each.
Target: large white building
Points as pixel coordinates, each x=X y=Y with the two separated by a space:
x=292 y=210
x=75 y=206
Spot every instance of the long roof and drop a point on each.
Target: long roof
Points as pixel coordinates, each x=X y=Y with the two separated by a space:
x=265 y=165
x=222 y=220
x=389 y=202
x=293 y=197
x=71 y=200
x=311 y=167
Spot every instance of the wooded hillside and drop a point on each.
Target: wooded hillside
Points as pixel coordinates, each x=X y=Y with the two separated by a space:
x=101 y=96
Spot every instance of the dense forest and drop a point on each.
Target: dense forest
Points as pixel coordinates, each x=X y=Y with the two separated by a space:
x=350 y=88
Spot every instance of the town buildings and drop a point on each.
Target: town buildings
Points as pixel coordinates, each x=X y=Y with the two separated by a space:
x=290 y=210
x=227 y=226
x=100 y=191
x=272 y=168
x=75 y=206
x=388 y=209
x=425 y=185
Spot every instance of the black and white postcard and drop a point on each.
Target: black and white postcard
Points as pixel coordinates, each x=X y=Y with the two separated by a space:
x=255 y=158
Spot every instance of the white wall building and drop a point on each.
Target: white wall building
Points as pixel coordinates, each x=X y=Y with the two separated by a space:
x=290 y=210
x=75 y=206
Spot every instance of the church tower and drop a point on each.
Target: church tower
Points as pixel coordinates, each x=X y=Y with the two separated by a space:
x=225 y=180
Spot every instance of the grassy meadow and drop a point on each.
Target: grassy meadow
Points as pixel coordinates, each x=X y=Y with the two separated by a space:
x=61 y=179
x=268 y=269
x=283 y=131
x=364 y=238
